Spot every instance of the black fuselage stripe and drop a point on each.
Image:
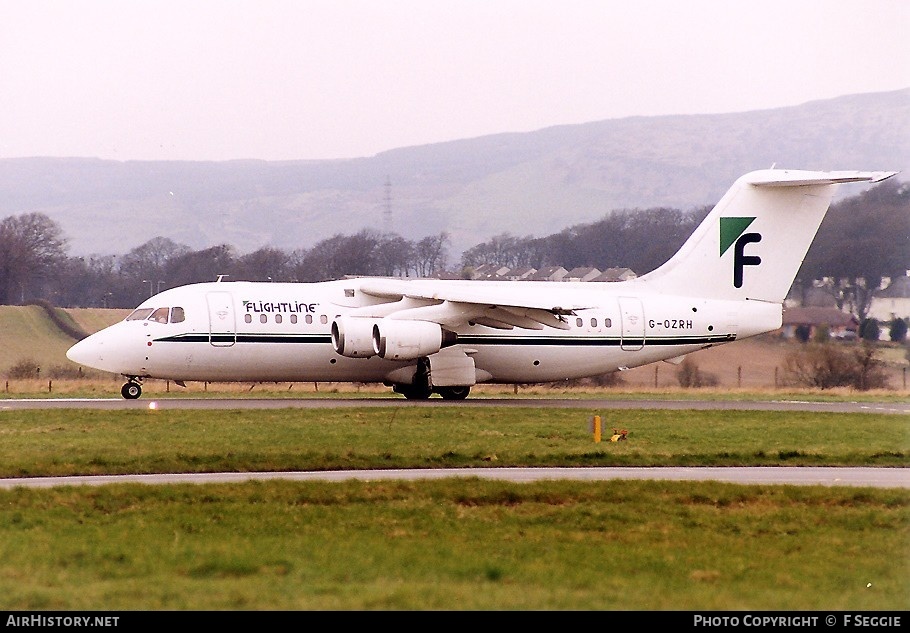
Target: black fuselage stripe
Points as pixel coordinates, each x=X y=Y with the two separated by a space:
x=520 y=341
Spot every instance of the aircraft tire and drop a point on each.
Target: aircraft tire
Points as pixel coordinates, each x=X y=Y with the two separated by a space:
x=411 y=392
x=131 y=390
x=453 y=393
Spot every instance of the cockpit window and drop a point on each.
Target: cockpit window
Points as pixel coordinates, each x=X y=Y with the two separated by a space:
x=160 y=315
x=139 y=314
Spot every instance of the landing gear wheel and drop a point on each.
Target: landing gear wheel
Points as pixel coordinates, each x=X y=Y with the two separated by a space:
x=412 y=392
x=421 y=388
x=453 y=393
x=131 y=390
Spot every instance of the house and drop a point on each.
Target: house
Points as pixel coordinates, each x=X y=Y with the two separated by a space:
x=616 y=274
x=519 y=273
x=582 y=273
x=550 y=273
x=839 y=324
x=489 y=271
x=892 y=301
x=820 y=294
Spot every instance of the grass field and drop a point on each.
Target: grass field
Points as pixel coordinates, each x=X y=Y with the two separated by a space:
x=456 y=544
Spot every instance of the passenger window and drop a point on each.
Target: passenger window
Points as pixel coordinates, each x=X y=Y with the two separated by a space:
x=177 y=315
x=579 y=322
x=309 y=319
x=293 y=318
x=593 y=322
x=323 y=319
x=277 y=318
x=159 y=315
x=263 y=318
x=608 y=322
x=139 y=314
x=248 y=318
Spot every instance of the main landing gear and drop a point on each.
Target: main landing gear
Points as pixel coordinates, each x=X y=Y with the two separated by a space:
x=421 y=389
x=131 y=389
x=415 y=392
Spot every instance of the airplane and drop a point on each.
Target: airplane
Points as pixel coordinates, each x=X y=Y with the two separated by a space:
x=427 y=336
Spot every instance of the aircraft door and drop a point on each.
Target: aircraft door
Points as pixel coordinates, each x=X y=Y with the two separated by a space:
x=222 y=323
x=633 y=323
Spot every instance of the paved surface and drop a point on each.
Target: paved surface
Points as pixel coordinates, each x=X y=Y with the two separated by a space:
x=874 y=477
x=900 y=408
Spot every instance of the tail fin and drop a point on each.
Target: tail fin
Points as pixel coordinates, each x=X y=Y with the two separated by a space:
x=751 y=245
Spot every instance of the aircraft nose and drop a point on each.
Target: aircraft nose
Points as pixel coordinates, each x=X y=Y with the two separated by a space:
x=86 y=352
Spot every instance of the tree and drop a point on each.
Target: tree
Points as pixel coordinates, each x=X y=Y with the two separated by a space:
x=869 y=330
x=825 y=366
x=430 y=255
x=897 y=330
x=861 y=240
x=394 y=255
x=265 y=264
x=147 y=264
x=31 y=247
x=339 y=255
x=198 y=266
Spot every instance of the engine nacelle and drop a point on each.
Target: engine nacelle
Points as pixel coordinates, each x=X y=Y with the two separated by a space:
x=407 y=340
x=353 y=336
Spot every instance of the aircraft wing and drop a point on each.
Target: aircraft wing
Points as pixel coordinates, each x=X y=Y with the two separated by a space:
x=457 y=303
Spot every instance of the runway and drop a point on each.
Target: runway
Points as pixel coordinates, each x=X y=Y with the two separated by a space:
x=898 y=408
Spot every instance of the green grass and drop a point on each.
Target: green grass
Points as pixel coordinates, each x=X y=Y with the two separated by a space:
x=459 y=545
x=77 y=441
x=26 y=333
x=453 y=544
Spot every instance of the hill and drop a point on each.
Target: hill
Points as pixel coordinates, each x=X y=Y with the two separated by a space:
x=28 y=334
x=533 y=183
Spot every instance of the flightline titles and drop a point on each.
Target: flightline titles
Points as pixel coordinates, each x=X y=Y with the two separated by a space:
x=843 y=620
x=62 y=620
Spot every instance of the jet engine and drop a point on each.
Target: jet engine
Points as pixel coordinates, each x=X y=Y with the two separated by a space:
x=407 y=340
x=353 y=336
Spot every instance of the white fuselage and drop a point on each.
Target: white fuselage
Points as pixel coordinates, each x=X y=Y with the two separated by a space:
x=244 y=331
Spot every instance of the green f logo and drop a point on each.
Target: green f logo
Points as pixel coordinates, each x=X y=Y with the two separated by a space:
x=732 y=231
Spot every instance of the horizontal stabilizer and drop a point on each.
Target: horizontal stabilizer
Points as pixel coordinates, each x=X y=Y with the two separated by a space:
x=797 y=178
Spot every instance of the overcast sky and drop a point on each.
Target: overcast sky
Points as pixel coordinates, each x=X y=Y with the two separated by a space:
x=313 y=79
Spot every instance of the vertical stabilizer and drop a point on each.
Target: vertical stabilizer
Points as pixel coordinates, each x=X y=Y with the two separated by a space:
x=751 y=245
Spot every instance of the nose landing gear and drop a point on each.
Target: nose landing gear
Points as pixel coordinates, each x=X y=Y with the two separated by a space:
x=131 y=389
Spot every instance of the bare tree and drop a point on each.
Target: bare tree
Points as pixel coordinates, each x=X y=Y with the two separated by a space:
x=266 y=264
x=393 y=255
x=150 y=259
x=31 y=247
x=431 y=255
